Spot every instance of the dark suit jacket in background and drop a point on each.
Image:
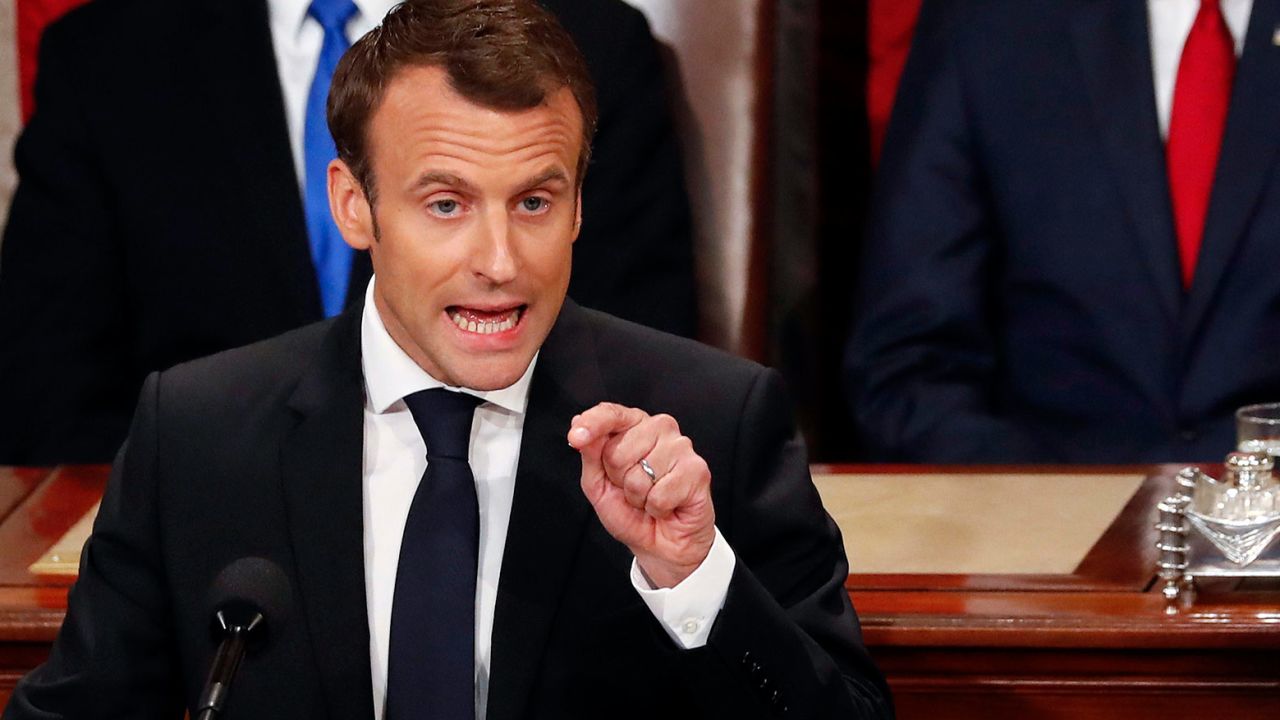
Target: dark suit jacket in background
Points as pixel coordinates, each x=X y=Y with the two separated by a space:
x=258 y=451
x=1022 y=300
x=158 y=215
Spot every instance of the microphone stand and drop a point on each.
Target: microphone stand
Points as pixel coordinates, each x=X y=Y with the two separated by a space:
x=230 y=651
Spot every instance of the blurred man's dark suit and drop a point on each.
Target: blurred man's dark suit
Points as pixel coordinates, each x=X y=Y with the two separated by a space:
x=158 y=215
x=1021 y=299
x=258 y=451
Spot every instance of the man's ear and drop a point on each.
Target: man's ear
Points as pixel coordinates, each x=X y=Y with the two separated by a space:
x=577 y=215
x=349 y=206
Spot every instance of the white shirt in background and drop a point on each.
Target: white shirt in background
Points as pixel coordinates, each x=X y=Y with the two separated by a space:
x=1170 y=23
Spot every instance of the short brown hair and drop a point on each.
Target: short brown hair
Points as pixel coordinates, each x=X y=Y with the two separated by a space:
x=502 y=54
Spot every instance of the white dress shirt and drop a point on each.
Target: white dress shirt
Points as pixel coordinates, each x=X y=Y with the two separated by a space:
x=394 y=461
x=1170 y=23
x=296 y=38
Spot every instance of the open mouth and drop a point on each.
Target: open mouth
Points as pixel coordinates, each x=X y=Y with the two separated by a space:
x=486 y=322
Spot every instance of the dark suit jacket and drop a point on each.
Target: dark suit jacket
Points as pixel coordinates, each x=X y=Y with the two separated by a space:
x=258 y=452
x=1021 y=298
x=158 y=217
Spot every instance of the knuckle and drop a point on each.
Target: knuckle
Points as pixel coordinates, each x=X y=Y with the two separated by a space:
x=638 y=480
x=664 y=498
x=600 y=413
x=614 y=453
x=700 y=468
x=636 y=494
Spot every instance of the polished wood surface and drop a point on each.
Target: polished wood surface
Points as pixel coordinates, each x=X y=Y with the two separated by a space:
x=1099 y=642
x=36 y=507
x=1095 y=643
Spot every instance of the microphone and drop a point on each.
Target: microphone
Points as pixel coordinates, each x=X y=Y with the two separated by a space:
x=249 y=598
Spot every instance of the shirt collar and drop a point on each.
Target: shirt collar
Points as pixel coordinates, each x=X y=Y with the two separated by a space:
x=390 y=374
x=291 y=14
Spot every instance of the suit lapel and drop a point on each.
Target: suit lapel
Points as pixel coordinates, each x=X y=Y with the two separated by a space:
x=235 y=63
x=1247 y=156
x=321 y=462
x=548 y=514
x=1114 y=51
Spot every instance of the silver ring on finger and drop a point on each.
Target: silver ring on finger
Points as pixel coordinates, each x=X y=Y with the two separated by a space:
x=648 y=470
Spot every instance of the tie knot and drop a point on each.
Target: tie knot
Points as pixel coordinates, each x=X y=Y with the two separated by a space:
x=332 y=15
x=444 y=419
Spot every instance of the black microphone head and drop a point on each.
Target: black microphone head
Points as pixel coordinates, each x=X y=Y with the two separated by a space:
x=247 y=587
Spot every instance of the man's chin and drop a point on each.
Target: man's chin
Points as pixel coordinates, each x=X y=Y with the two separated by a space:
x=499 y=376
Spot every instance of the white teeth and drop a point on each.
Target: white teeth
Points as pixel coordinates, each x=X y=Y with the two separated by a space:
x=486 y=327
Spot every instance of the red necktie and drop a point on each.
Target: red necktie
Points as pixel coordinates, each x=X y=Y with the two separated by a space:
x=1200 y=100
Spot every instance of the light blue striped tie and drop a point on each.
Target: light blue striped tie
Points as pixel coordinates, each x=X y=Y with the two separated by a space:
x=332 y=256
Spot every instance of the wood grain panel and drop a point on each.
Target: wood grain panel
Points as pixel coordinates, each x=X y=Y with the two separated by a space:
x=1155 y=700
x=16 y=484
x=44 y=516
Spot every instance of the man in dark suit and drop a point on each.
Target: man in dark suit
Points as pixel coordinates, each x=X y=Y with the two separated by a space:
x=158 y=215
x=1033 y=289
x=616 y=570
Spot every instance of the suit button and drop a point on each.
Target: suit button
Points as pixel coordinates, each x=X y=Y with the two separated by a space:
x=1188 y=434
x=746 y=658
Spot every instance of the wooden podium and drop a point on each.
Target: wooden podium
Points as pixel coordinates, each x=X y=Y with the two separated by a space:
x=983 y=592
x=1095 y=642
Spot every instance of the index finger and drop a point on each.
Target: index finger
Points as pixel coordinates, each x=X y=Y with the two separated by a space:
x=602 y=421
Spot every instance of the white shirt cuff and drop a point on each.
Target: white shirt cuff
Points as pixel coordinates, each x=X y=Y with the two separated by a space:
x=688 y=610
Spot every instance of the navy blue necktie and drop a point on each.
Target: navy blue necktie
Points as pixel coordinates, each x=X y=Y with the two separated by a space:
x=331 y=256
x=431 y=661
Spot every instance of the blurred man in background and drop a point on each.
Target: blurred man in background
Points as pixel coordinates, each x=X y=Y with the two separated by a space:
x=1074 y=217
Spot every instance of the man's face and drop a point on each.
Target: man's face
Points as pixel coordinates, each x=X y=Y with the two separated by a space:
x=476 y=212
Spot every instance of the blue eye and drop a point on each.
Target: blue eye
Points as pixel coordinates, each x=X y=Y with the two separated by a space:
x=445 y=207
x=533 y=203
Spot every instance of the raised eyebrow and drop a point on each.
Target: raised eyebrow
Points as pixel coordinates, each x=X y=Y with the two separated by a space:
x=442 y=178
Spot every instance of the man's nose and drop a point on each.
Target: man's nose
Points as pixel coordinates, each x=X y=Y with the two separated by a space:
x=495 y=259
